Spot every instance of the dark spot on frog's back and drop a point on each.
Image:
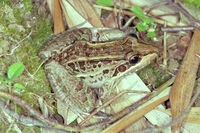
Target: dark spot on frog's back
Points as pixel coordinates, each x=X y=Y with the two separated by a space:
x=71 y=65
x=105 y=71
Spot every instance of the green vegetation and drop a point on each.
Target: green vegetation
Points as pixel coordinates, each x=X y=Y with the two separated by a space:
x=22 y=33
x=13 y=72
x=193 y=2
x=145 y=22
x=153 y=76
x=105 y=2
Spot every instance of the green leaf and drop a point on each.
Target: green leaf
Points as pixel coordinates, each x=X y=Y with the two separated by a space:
x=18 y=86
x=193 y=2
x=15 y=70
x=151 y=34
x=142 y=26
x=105 y=2
x=197 y=3
x=138 y=12
x=4 y=79
x=148 y=20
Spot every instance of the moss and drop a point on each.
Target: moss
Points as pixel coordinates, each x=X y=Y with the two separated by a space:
x=43 y=32
x=161 y=77
x=28 y=4
x=153 y=76
x=196 y=3
x=18 y=20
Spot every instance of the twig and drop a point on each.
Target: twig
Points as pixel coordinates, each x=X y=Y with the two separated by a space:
x=51 y=123
x=192 y=20
x=31 y=75
x=128 y=22
x=165 y=48
x=182 y=116
x=28 y=121
x=180 y=28
x=12 y=51
x=144 y=99
x=111 y=9
x=117 y=116
x=110 y=101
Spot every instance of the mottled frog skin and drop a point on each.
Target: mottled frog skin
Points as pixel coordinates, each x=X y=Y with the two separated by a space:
x=77 y=65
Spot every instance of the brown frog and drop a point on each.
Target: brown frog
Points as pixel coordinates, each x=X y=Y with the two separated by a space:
x=77 y=65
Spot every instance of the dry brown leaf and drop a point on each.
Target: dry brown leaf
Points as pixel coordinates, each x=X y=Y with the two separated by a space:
x=146 y=109
x=193 y=115
x=182 y=88
x=77 y=12
x=57 y=18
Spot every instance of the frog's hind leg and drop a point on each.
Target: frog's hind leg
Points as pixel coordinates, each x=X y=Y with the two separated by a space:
x=67 y=89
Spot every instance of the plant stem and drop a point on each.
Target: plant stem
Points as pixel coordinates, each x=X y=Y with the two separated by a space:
x=194 y=22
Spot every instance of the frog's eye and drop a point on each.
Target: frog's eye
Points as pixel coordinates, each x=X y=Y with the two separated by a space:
x=134 y=59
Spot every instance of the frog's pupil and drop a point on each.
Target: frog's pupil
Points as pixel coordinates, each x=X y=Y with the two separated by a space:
x=134 y=60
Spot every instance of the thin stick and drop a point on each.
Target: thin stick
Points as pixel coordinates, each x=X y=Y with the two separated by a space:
x=180 y=28
x=181 y=117
x=165 y=48
x=39 y=116
x=110 y=101
x=26 y=120
x=116 y=127
x=192 y=20
x=111 y=9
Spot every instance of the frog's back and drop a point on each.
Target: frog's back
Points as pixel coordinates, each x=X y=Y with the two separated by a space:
x=61 y=41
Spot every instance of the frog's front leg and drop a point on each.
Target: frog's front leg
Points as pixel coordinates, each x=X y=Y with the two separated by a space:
x=69 y=89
